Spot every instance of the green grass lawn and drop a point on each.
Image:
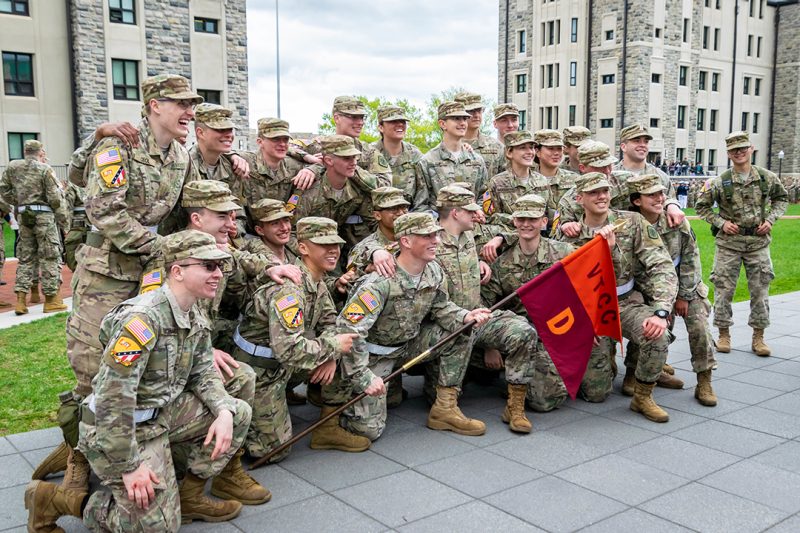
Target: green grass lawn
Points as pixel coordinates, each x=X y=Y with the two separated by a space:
x=793 y=209
x=8 y=238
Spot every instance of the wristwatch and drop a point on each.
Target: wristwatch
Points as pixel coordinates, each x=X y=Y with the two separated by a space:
x=660 y=313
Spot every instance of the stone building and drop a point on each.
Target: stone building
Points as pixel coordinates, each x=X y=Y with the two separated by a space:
x=69 y=66
x=692 y=71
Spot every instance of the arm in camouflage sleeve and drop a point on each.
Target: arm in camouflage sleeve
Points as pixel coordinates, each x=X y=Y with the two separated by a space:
x=649 y=249
x=7 y=200
x=705 y=204
x=52 y=190
x=689 y=271
x=779 y=198
x=421 y=201
x=492 y=291
x=204 y=380
x=373 y=162
x=566 y=208
x=77 y=163
x=446 y=313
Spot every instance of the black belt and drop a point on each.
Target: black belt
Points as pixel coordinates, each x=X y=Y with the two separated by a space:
x=748 y=230
x=259 y=362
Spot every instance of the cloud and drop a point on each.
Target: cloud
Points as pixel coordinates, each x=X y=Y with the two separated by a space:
x=409 y=49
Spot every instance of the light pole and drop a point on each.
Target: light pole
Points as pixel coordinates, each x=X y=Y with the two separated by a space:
x=278 y=58
x=781 y=155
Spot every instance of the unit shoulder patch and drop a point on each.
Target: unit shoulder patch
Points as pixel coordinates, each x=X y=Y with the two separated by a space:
x=126 y=351
x=292 y=317
x=114 y=176
x=354 y=313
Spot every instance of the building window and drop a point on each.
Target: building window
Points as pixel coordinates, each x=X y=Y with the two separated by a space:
x=716 y=38
x=753 y=157
x=698 y=156
x=14 y=7
x=606 y=122
x=551 y=32
x=681 y=117
x=210 y=96
x=125 y=77
x=708 y=3
x=609 y=35
x=701 y=80
x=655 y=77
x=755 y=122
x=573 y=31
x=654 y=123
x=552 y=75
x=204 y=25
x=607 y=79
x=122 y=11
x=522 y=37
x=757 y=88
x=715 y=81
x=680 y=154
x=752 y=8
x=523 y=119
x=706 y=32
x=745 y=120
x=749 y=45
x=686 y=26
x=712 y=121
x=719 y=2
x=761 y=9
x=683 y=75
x=658 y=33
x=712 y=158
x=746 y=85
x=758 y=47
x=572 y=112
x=522 y=83
x=573 y=73
x=18 y=74
x=550 y=118
x=701 y=119
x=16 y=144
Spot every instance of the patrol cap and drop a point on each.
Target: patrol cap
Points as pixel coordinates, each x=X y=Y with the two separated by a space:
x=576 y=135
x=269 y=128
x=169 y=86
x=518 y=138
x=548 y=138
x=211 y=194
x=464 y=185
x=471 y=101
x=32 y=146
x=591 y=181
x=453 y=196
x=415 y=224
x=646 y=184
x=190 y=244
x=595 y=154
x=269 y=210
x=214 y=116
x=349 y=105
x=388 y=197
x=452 y=109
x=319 y=230
x=391 y=112
x=633 y=131
x=501 y=110
x=529 y=206
x=340 y=145
x=737 y=139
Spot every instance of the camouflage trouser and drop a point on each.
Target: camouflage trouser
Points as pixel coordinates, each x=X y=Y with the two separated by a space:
x=725 y=274
x=596 y=383
x=272 y=424
x=546 y=391
x=516 y=339
x=38 y=244
x=186 y=420
x=652 y=352
x=75 y=237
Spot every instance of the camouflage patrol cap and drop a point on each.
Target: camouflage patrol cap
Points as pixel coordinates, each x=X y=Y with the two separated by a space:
x=646 y=184
x=591 y=181
x=595 y=154
x=415 y=224
x=501 y=110
x=464 y=185
x=633 y=131
x=211 y=194
x=340 y=145
x=190 y=244
x=548 y=138
x=348 y=105
x=452 y=196
x=576 y=135
x=518 y=138
x=319 y=230
x=170 y=86
x=737 y=139
x=391 y=112
x=388 y=197
x=32 y=146
x=529 y=206
x=471 y=101
x=270 y=128
x=269 y=210
x=214 y=116
x=451 y=109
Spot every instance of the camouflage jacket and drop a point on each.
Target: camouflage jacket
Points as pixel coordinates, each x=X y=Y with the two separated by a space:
x=492 y=151
x=402 y=166
x=223 y=171
x=439 y=168
x=505 y=188
x=747 y=206
x=30 y=182
x=360 y=256
x=650 y=168
x=75 y=210
x=154 y=351
x=264 y=182
x=458 y=258
x=562 y=182
x=390 y=312
x=370 y=160
x=681 y=244
x=570 y=211
x=256 y=247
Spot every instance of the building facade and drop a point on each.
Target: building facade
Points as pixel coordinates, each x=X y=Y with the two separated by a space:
x=692 y=71
x=71 y=65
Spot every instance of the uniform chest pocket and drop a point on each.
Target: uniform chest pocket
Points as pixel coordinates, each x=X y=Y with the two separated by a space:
x=159 y=367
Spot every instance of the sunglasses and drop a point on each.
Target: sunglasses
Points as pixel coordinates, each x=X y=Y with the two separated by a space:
x=210 y=266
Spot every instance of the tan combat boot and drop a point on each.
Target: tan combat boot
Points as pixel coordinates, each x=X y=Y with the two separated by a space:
x=35 y=298
x=53 y=303
x=759 y=346
x=667 y=369
x=629 y=382
x=332 y=436
x=76 y=476
x=233 y=483
x=21 y=308
x=446 y=416
x=643 y=403
x=669 y=381
x=195 y=505
x=53 y=463
x=703 y=392
x=514 y=414
x=724 y=342
x=46 y=502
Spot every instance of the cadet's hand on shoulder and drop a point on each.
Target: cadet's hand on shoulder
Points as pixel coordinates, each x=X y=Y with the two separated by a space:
x=279 y=273
x=125 y=131
x=384 y=263
x=570 y=229
x=467 y=147
x=324 y=373
x=304 y=179
x=764 y=228
x=480 y=316
x=240 y=166
x=343 y=282
x=139 y=485
x=729 y=228
x=312 y=159
x=479 y=217
x=486 y=272
x=654 y=327
x=223 y=363
x=675 y=216
x=489 y=250
x=376 y=388
x=221 y=432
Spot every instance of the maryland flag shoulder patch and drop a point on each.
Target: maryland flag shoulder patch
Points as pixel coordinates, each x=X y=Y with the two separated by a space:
x=114 y=176
x=140 y=330
x=354 y=313
x=292 y=317
x=126 y=351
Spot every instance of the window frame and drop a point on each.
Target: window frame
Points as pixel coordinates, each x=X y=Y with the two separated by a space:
x=121 y=11
x=127 y=85
x=205 y=93
x=680 y=121
x=573 y=73
x=26 y=12
x=573 y=31
x=14 y=81
x=606 y=123
x=608 y=79
x=521 y=82
x=204 y=25
x=23 y=136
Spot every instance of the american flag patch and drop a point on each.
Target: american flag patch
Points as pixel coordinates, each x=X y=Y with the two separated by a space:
x=369 y=300
x=140 y=330
x=286 y=302
x=151 y=278
x=107 y=157
x=291 y=204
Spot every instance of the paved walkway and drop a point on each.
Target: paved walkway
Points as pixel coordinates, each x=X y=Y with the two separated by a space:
x=590 y=467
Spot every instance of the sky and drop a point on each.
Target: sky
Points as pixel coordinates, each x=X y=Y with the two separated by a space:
x=394 y=49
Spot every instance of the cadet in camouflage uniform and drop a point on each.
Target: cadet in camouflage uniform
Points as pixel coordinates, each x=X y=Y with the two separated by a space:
x=574 y=137
x=750 y=199
x=646 y=287
x=5 y=211
x=139 y=408
x=78 y=224
x=492 y=150
x=647 y=197
x=506 y=120
x=376 y=252
x=272 y=223
x=31 y=185
x=448 y=162
x=289 y=328
x=635 y=145
x=398 y=318
x=550 y=153
x=531 y=255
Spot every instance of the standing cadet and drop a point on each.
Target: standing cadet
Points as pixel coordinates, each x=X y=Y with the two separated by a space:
x=155 y=387
x=214 y=131
x=574 y=137
x=750 y=199
x=31 y=185
x=448 y=162
x=550 y=152
x=506 y=120
x=634 y=141
x=78 y=224
x=489 y=148
x=402 y=156
x=5 y=216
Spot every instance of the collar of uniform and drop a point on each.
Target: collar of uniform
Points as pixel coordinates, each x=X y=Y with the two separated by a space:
x=263 y=169
x=451 y=241
x=182 y=318
x=348 y=193
x=153 y=149
x=737 y=178
x=407 y=282
x=444 y=153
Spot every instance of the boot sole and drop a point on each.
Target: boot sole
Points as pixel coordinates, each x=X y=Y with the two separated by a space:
x=335 y=447
x=706 y=404
x=658 y=420
x=669 y=385
x=441 y=426
x=188 y=519
x=222 y=495
x=760 y=354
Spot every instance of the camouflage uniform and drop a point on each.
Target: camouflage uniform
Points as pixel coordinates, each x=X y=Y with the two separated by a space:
x=78 y=223
x=564 y=179
x=574 y=136
x=215 y=117
x=492 y=150
x=156 y=387
x=33 y=188
x=403 y=164
x=360 y=256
